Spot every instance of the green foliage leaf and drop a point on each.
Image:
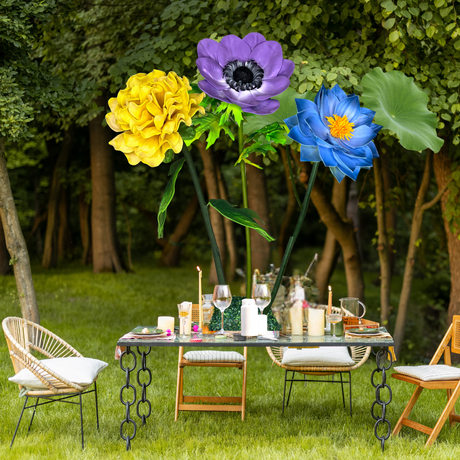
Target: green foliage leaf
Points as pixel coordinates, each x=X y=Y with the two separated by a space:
x=187 y=132
x=169 y=194
x=210 y=122
x=401 y=107
x=242 y=216
x=230 y=110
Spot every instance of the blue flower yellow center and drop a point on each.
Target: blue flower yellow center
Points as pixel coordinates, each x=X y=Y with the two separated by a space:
x=340 y=127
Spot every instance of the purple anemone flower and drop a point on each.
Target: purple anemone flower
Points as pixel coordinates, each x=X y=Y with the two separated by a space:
x=336 y=130
x=246 y=72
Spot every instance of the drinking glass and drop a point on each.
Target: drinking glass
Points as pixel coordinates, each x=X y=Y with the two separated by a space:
x=261 y=295
x=222 y=298
x=334 y=318
x=184 y=311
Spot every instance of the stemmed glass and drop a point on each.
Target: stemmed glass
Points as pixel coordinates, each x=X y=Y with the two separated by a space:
x=261 y=296
x=334 y=318
x=222 y=298
x=184 y=311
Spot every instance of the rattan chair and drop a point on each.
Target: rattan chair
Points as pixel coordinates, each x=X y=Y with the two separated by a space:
x=26 y=342
x=452 y=386
x=214 y=403
x=358 y=354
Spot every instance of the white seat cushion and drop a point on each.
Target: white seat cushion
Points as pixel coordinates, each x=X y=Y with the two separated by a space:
x=429 y=373
x=213 y=356
x=321 y=356
x=82 y=371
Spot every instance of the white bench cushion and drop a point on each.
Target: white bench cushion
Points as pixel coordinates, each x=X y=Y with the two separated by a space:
x=321 y=356
x=429 y=373
x=213 y=356
x=82 y=371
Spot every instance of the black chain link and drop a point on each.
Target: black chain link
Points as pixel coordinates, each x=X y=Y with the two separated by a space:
x=128 y=403
x=381 y=420
x=144 y=386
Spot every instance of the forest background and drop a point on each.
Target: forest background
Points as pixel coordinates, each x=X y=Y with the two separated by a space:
x=79 y=200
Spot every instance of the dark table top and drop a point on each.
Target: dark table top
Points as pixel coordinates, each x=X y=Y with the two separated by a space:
x=283 y=341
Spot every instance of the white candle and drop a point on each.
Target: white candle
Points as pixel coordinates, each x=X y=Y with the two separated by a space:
x=329 y=301
x=165 y=323
x=262 y=326
x=200 y=304
x=315 y=322
x=249 y=318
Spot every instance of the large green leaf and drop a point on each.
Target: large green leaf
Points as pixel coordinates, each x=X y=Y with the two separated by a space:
x=242 y=216
x=169 y=194
x=401 y=107
x=287 y=109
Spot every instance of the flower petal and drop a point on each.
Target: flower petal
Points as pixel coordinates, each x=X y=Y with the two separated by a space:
x=287 y=68
x=309 y=153
x=297 y=135
x=305 y=105
x=362 y=135
x=232 y=48
x=208 y=48
x=338 y=92
x=112 y=122
x=317 y=126
x=376 y=128
x=373 y=149
x=212 y=71
x=365 y=118
x=349 y=107
x=339 y=175
x=326 y=102
x=241 y=97
x=291 y=121
x=253 y=39
x=327 y=156
x=264 y=108
x=271 y=87
x=210 y=90
x=269 y=56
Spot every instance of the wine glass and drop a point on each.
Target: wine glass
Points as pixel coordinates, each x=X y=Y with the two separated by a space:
x=222 y=298
x=184 y=311
x=261 y=296
x=334 y=318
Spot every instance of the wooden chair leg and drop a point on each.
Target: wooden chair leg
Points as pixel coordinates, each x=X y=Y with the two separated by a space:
x=407 y=410
x=179 y=387
x=243 y=397
x=445 y=414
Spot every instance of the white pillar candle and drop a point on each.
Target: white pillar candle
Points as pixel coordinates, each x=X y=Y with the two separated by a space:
x=200 y=306
x=165 y=323
x=249 y=318
x=262 y=327
x=315 y=322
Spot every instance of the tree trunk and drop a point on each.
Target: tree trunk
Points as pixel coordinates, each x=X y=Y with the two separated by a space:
x=382 y=248
x=229 y=232
x=85 y=228
x=290 y=208
x=16 y=245
x=50 y=252
x=64 y=233
x=331 y=249
x=210 y=175
x=417 y=219
x=4 y=258
x=442 y=164
x=343 y=231
x=171 y=253
x=106 y=255
x=258 y=202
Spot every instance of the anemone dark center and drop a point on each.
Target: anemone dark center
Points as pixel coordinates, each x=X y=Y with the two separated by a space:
x=243 y=76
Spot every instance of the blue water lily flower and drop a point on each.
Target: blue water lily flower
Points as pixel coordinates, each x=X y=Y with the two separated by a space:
x=336 y=130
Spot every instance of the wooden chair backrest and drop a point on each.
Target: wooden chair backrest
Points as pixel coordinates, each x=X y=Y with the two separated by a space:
x=455 y=345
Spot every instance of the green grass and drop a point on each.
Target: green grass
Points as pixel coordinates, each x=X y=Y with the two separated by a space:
x=92 y=311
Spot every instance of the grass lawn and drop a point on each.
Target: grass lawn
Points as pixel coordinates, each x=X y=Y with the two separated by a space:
x=92 y=311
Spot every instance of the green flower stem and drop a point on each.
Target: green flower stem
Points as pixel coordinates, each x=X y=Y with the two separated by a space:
x=293 y=238
x=244 y=187
x=204 y=211
x=288 y=155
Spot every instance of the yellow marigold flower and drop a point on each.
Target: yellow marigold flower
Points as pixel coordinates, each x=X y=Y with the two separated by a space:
x=148 y=113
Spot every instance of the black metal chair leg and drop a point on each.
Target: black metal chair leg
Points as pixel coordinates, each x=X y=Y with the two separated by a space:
x=284 y=393
x=20 y=418
x=97 y=410
x=33 y=415
x=290 y=388
x=349 y=380
x=343 y=393
x=81 y=423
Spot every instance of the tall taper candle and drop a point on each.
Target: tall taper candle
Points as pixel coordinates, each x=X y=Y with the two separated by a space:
x=329 y=302
x=200 y=301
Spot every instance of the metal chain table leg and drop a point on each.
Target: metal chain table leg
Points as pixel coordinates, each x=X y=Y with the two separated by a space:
x=380 y=358
x=144 y=386
x=128 y=403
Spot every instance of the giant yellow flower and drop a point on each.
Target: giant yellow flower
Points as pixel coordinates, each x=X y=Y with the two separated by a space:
x=148 y=113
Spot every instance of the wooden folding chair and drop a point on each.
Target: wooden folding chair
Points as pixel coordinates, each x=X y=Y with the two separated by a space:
x=451 y=385
x=227 y=403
